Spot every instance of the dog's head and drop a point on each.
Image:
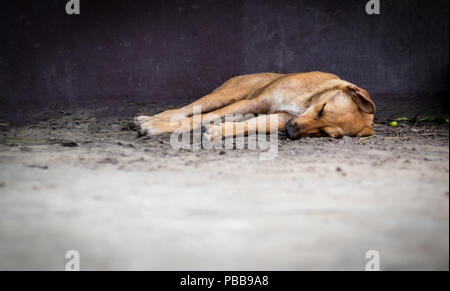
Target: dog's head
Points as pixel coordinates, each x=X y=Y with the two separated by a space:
x=341 y=111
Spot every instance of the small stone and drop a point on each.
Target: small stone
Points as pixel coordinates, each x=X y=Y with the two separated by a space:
x=70 y=144
x=43 y=167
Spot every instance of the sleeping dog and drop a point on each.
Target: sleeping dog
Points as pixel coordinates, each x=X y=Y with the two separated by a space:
x=304 y=104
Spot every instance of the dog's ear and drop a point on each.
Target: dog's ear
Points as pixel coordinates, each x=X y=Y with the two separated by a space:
x=362 y=99
x=366 y=131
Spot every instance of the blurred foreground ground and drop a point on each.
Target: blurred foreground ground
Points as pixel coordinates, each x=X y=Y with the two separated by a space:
x=124 y=203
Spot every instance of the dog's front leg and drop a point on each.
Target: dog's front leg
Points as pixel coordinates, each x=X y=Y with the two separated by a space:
x=263 y=124
x=240 y=108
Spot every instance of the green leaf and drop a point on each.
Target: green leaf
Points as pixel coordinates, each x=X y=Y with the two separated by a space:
x=424 y=119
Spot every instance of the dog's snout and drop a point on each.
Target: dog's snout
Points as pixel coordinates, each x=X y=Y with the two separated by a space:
x=292 y=131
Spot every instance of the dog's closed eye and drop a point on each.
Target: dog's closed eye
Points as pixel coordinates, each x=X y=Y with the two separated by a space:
x=320 y=113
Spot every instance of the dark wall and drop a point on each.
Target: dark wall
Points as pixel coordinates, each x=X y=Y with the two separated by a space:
x=171 y=52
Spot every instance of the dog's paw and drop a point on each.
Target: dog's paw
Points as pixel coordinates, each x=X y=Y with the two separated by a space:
x=146 y=126
x=144 y=129
x=212 y=132
x=138 y=123
x=149 y=126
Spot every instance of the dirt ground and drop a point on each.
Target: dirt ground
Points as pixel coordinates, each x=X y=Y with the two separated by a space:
x=87 y=184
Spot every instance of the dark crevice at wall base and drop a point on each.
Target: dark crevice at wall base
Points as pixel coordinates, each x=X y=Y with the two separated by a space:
x=388 y=107
x=169 y=53
x=33 y=112
x=391 y=106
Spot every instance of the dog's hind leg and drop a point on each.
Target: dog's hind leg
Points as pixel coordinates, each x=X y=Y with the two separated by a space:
x=208 y=103
x=234 y=90
x=214 y=101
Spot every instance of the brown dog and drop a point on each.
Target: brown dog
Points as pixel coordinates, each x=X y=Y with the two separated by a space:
x=305 y=105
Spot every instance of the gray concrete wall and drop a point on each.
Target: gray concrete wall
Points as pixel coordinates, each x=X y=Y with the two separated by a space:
x=171 y=52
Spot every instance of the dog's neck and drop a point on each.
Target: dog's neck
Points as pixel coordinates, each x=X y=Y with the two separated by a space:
x=297 y=105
